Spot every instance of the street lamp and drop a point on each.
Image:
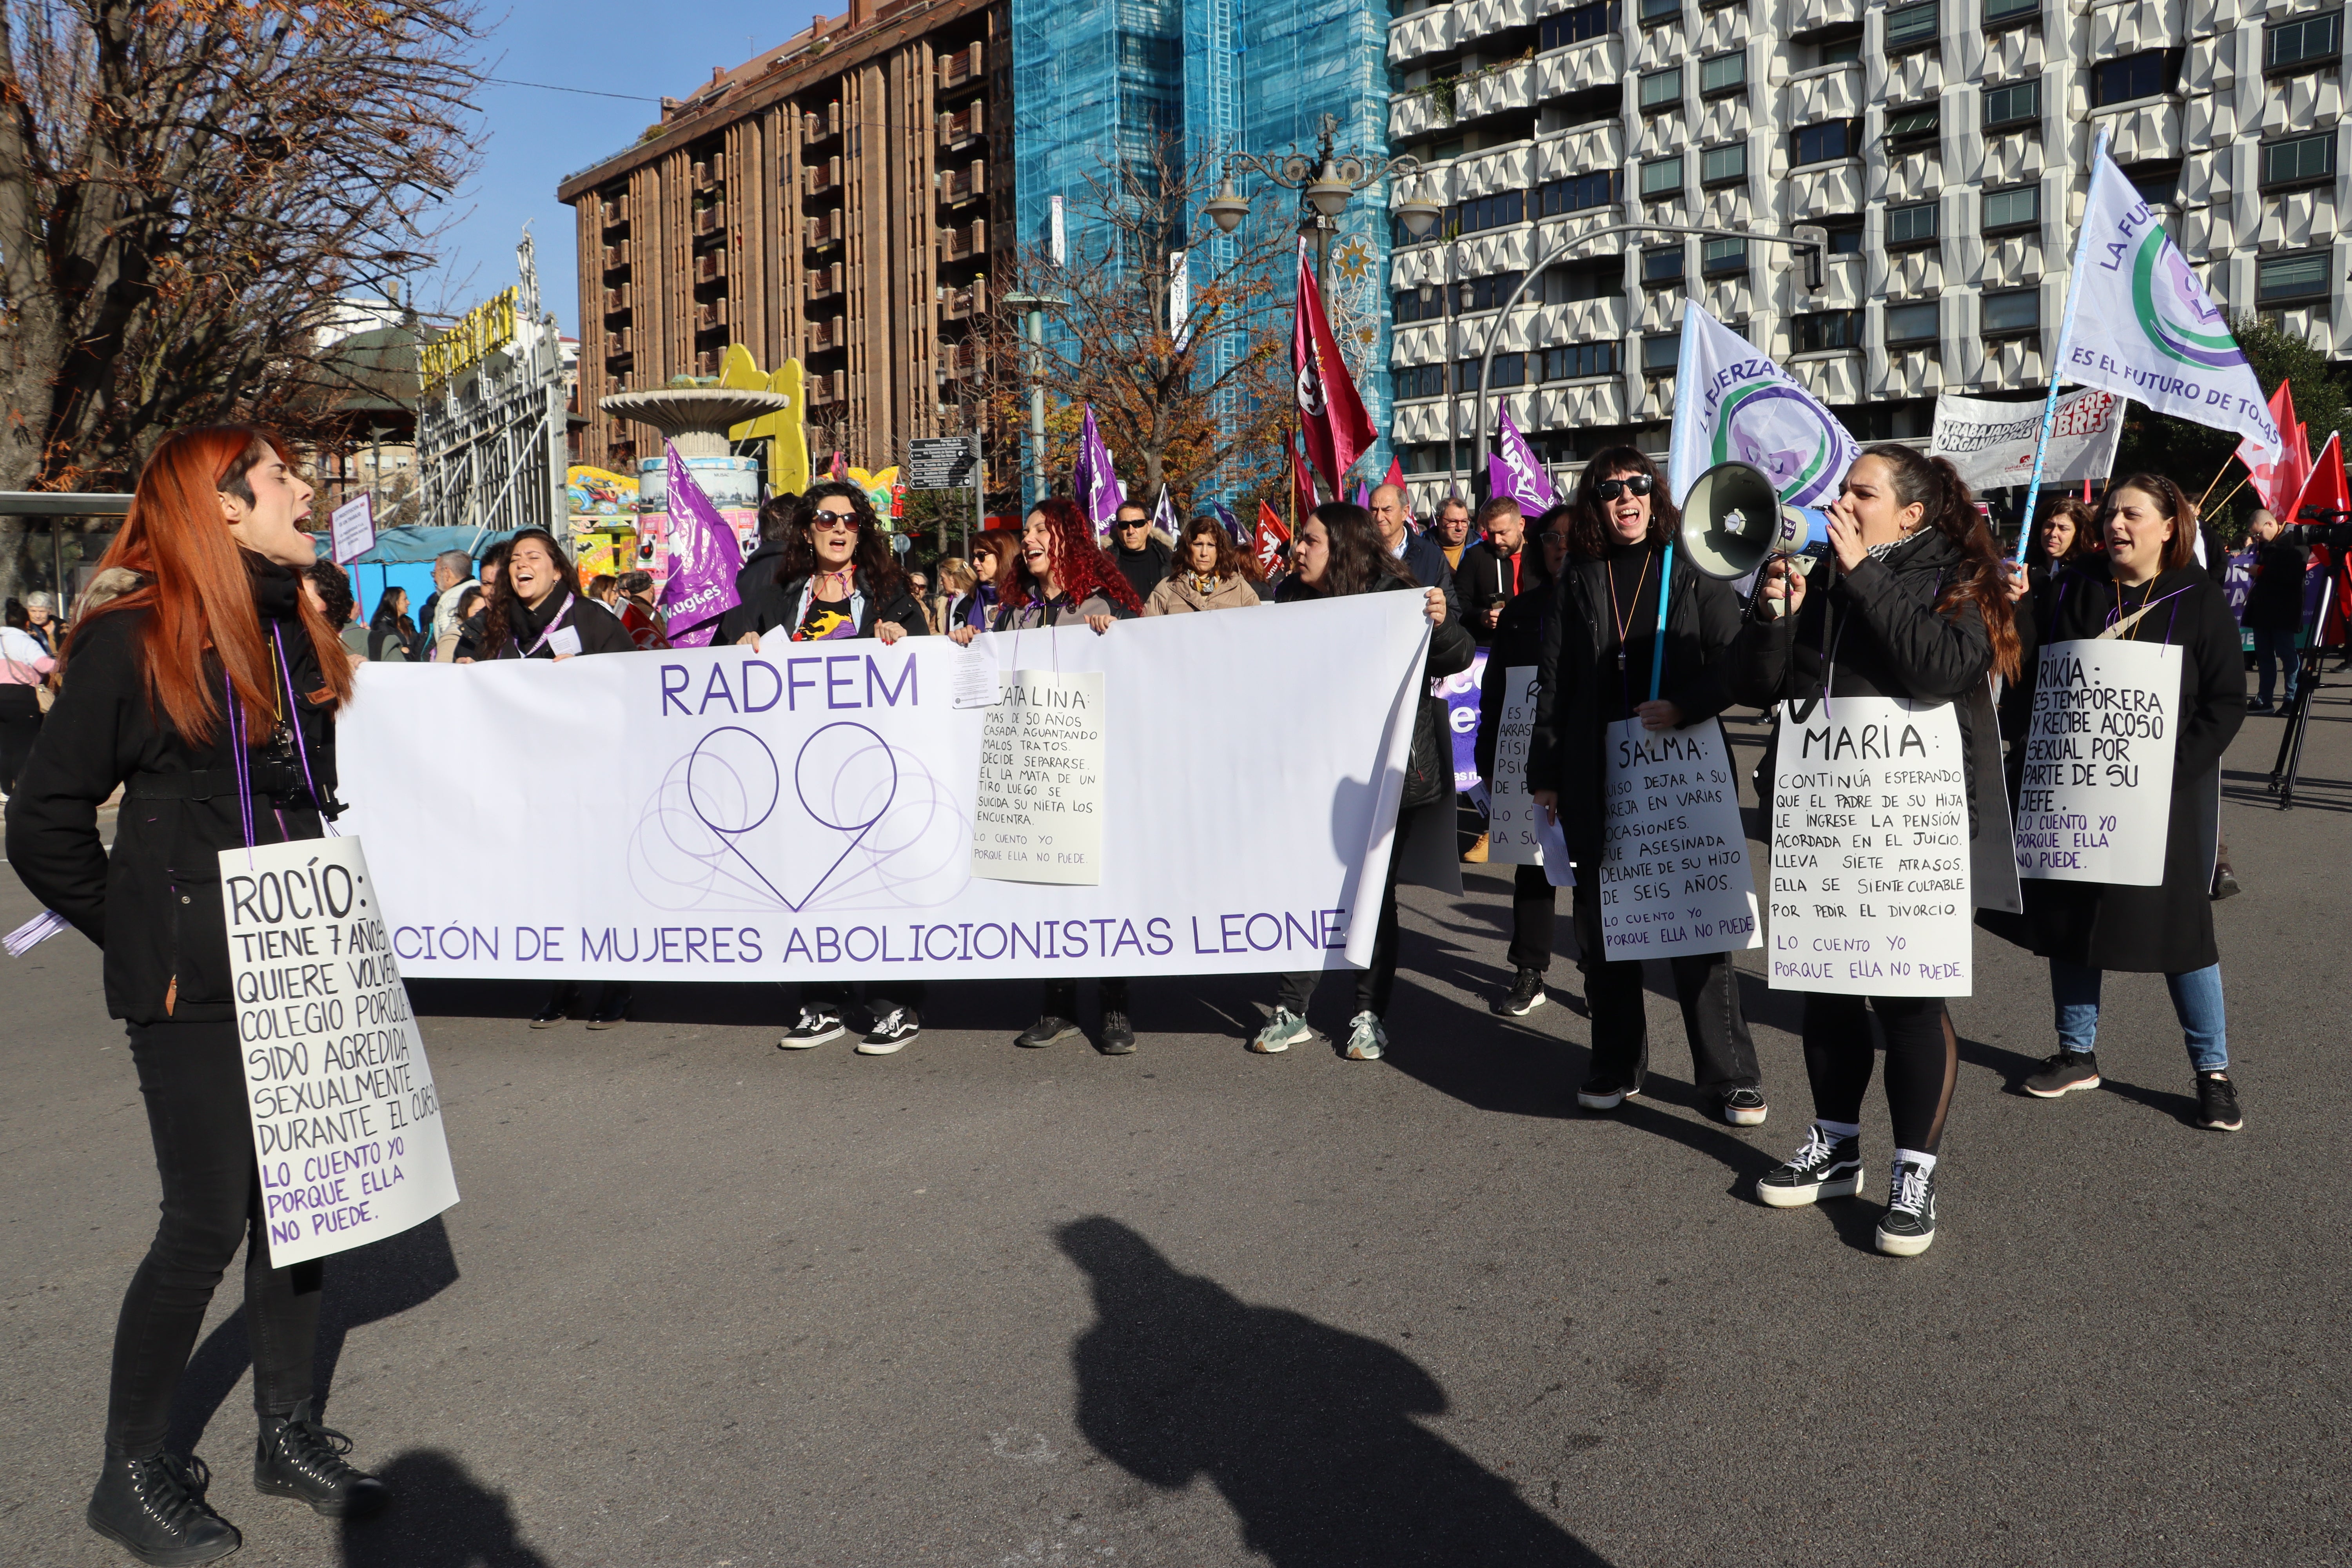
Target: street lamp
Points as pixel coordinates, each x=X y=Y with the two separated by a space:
x=1325 y=183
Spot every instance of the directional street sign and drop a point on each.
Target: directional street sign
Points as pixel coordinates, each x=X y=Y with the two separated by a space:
x=942 y=462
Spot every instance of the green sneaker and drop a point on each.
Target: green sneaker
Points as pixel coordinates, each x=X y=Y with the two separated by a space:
x=1281 y=1031
x=1367 y=1041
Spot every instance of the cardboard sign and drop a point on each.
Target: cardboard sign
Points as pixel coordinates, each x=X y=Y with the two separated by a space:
x=1513 y=821
x=351 y=528
x=1673 y=854
x=1039 y=817
x=2097 y=800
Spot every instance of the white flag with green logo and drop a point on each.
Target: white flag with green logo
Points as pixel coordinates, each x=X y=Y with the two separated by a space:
x=1731 y=401
x=2144 y=327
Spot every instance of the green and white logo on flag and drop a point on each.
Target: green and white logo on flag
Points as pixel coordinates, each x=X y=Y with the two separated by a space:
x=1731 y=401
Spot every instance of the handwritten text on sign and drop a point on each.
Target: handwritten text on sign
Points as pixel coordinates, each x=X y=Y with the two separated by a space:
x=2096 y=799
x=1674 y=856
x=1869 y=850
x=346 y=1123
x=1512 y=825
x=1039 y=815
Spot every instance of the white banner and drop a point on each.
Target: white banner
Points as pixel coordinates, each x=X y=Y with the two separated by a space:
x=1869 y=850
x=731 y=815
x=346 y=1124
x=1673 y=854
x=1732 y=402
x=1514 y=826
x=1991 y=444
x=2096 y=801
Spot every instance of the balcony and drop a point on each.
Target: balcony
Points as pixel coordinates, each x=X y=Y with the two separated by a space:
x=962 y=304
x=709 y=173
x=615 y=258
x=960 y=69
x=962 y=244
x=817 y=179
x=710 y=316
x=824 y=229
x=617 y=342
x=826 y=283
x=820 y=126
x=616 y=299
x=958 y=185
x=711 y=267
x=1480 y=17
x=1583 y=66
x=828 y=334
x=1433 y=31
x=710 y=220
x=1502 y=91
x=824 y=390
x=959 y=361
x=613 y=214
x=1811 y=15
x=965 y=125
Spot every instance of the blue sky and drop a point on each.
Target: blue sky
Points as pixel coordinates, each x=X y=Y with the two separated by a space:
x=531 y=138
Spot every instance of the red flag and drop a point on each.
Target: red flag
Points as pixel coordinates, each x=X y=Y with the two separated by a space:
x=1267 y=543
x=1330 y=415
x=1303 y=498
x=1395 y=474
x=2326 y=489
x=2280 y=481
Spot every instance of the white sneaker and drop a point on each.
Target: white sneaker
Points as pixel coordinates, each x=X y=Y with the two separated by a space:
x=1281 y=1031
x=1367 y=1041
x=817 y=1025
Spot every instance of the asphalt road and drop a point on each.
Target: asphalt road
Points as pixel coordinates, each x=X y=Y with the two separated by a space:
x=707 y=1302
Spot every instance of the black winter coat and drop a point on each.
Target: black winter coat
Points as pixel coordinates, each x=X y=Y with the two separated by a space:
x=155 y=903
x=600 y=631
x=1483 y=580
x=2167 y=929
x=1144 y=568
x=1577 y=675
x=2275 y=601
x=1429 y=770
x=778 y=604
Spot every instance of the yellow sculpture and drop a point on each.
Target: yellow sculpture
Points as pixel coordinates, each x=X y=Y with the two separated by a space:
x=786 y=432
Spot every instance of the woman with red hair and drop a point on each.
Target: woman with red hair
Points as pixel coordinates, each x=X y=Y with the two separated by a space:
x=208 y=691
x=1063 y=579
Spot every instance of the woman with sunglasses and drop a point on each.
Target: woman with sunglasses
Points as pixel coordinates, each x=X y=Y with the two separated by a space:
x=1595 y=673
x=835 y=578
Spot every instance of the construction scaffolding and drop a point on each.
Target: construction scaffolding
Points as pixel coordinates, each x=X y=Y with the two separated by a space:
x=489 y=433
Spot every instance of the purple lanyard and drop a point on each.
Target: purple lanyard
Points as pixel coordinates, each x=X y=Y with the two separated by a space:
x=552 y=622
x=294 y=722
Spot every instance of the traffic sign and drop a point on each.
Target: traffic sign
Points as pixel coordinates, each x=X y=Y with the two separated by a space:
x=942 y=462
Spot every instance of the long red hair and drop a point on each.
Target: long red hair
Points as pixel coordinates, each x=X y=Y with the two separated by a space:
x=197 y=590
x=1079 y=564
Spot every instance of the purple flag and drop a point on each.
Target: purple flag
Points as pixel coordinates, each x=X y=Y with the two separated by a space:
x=1225 y=515
x=1163 y=516
x=1094 y=481
x=1363 y=495
x=703 y=561
x=1514 y=471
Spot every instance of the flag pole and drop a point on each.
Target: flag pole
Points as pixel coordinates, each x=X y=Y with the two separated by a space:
x=2058 y=360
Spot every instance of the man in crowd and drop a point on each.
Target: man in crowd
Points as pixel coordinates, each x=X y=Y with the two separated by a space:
x=1392 y=515
x=2274 y=607
x=453 y=574
x=1453 y=529
x=1142 y=559
x=1497 y=569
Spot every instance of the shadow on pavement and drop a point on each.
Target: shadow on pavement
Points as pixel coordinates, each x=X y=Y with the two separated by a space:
x=440 y=1517
x=363 y=1285
x=1305 y=1429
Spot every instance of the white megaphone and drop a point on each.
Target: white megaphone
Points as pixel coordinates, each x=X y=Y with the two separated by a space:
x=1733 y=520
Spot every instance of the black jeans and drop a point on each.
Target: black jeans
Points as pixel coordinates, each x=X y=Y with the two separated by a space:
x=1061 y=998
x=20 y=726
x=1923 y=1062
x=1723 y=1057
x=193 y=1078
x=1376 y=982
x=1533 y=903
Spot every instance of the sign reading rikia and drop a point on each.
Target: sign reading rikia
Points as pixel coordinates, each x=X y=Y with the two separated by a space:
x=808 y=814
x=1673 y=854
x=2097 y=800
x=1869 y=850
x=346 y=1123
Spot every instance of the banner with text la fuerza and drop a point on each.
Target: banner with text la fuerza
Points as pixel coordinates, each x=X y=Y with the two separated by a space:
x=1733 y=402
x=808 y=814
x=2144 y=327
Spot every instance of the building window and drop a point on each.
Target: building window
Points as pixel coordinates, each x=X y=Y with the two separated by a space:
x=2143 y=75
x=1723 y=165
x=2158 y=185
x=1663 y=268
x=2018 y=208
x=1661 y=352
x=1911 y=323
x=2019 y=103
x=1722 y=74
x=1825 y=329
x=1910 y=27
x=1655 y=11
x=2012 y=313
x=1580 y=360
x=1407 y=306
x=2279 y=279
x=1508 y=370
x=1419 y=380
x=1842 y=51
x=2011 y=10
x=1823 y=143
x=2305 y=42
x=1578 y=192
x=2301 y=161
x=1565 y=27
x=1911 y=130
x=1489 y=293
x=1845 y=235
x=1722 y=257
x=1909 y=227
x=1662 y=178
x=1500 y=210
x=1662 y=91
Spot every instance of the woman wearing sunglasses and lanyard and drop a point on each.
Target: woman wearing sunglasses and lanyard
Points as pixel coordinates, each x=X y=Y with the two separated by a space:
x=836 y=579
x=1594 y=673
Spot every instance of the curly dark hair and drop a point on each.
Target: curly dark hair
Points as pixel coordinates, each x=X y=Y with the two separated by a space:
x=1359 y=559
x=1231 y=562
x=498 y=616
x=1078 y=562
x=1588 y=532
x=878 y=566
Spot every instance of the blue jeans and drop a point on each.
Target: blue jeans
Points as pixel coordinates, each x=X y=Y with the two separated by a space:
x=2274 y=655
x=2196 y=1002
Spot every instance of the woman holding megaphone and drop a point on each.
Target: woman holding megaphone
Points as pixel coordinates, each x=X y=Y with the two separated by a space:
x=1915 y=603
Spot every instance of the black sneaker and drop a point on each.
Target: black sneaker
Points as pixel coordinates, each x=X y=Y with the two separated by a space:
x=154 y=1508
x=1826 y=1167
x=2217 y=1103
x=890 y=1033
x=2225 y=884
x=1607 y=1091
x=1049 y=1031
x=298 y=1458
x=1909 y=1226
x=612 y=1009
x=817 y=1025
x=1118 y=1033
x=2064 y=1073
x=1527 y=995
x=1743 y=1107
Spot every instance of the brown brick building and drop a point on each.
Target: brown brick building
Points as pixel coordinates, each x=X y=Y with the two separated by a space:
x=836 y=199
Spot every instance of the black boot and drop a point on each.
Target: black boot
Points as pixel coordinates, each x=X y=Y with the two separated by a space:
x=298 y=1458
x=154 y=1508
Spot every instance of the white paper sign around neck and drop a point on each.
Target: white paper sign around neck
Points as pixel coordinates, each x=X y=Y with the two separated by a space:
x=1039 y=815
x=346 y=1123
x=1673 y=854
x=1513 y=820
x=1869 y=850
x=2096 y=799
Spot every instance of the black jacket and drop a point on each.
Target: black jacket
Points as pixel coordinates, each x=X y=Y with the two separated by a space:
x=155 y=903
x=759 y=572
x=600 y=631
x=1483 y=580
x=2275 y=601
x=1143 y=568
x=2167 y=929
x=1577 y=675
x=778 y=604
x=1429 y=771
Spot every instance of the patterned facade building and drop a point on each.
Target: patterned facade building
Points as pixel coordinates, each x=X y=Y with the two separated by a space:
x=838 y=199
x=1943 y=144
